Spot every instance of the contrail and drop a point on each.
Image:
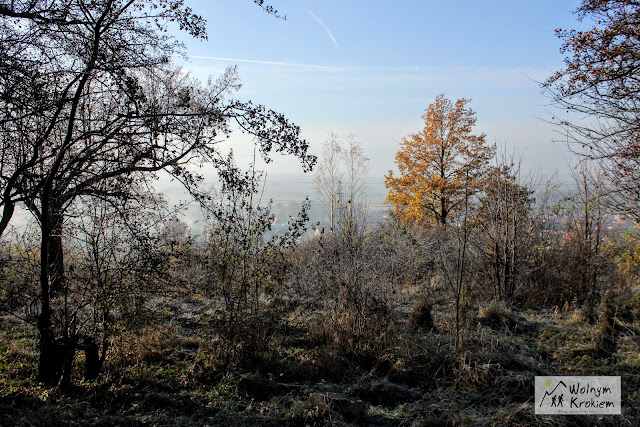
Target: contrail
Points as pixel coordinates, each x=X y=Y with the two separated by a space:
x=325 y=27
x=256 y=61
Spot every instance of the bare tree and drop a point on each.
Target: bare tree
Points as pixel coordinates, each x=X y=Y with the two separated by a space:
x=586 y=214
x=504 y=225
x=353 y=205
x=568 y=263
x=115 y=260
x=108 y=111
x=327 y=180
x=340 y=182
x=246 y=267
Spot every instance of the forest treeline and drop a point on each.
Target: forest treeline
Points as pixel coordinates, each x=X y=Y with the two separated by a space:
x=92 y=110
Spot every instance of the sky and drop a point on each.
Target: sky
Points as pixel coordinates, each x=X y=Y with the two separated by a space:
x=372 y=67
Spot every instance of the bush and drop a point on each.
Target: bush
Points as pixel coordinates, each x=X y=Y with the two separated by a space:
x=495 y=314
x=587 y=314
x=420 y=316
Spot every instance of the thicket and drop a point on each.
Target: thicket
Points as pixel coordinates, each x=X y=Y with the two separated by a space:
x=349 y=286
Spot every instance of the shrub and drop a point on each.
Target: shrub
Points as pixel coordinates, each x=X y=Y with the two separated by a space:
x=495 y=314
x=420 y=316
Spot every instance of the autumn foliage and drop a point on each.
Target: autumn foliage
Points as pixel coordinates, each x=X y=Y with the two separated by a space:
x=600 y=83
x=438 y=166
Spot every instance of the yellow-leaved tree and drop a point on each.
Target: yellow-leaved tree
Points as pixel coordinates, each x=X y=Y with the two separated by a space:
x=440 y=166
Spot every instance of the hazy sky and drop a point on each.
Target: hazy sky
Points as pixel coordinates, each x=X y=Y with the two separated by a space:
x=372 y=67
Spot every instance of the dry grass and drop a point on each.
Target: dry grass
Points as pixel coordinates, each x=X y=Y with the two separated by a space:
x=167 y=375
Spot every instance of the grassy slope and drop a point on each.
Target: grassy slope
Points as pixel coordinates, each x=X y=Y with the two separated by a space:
x=171 y=374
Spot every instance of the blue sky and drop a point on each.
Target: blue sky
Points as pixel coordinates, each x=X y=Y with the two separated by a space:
x=372 y=68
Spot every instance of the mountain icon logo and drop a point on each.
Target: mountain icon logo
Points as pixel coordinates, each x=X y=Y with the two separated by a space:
x=552 y=393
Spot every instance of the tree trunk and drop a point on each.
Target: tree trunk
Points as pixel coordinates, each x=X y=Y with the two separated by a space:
x=55 y=259
x=92 y=361
x=56 y=355
x=49 y=367
x=48 y=364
